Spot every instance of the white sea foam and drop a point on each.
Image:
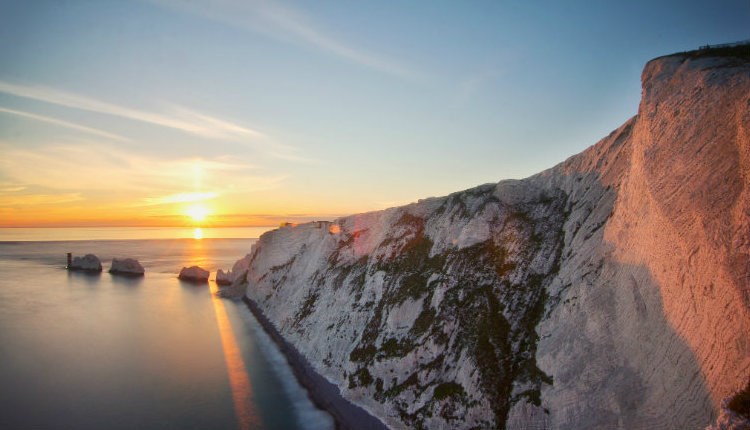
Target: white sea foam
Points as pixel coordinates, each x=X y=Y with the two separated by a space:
x=308 y=416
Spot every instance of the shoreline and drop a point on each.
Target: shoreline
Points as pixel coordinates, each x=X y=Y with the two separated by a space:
x=323 y=393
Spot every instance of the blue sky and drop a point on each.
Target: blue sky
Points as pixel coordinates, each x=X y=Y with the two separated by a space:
x=286 y=110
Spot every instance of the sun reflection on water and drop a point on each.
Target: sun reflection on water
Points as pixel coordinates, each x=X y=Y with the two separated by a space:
x=239 y=381
x=198 y=233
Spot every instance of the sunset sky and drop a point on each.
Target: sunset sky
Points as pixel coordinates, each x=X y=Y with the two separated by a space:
x=248 y=113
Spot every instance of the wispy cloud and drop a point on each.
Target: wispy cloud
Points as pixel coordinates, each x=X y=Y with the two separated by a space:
x=274 y=219
x=175 y=117
x=182 y=119
x=295 y=23
x=40 y=199
x=102 y=168
x=11 y=188
x=66 y=124
x=281 y=22
x=180 y=198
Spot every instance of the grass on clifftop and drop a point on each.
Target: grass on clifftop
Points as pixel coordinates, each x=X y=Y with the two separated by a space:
x=739 y=52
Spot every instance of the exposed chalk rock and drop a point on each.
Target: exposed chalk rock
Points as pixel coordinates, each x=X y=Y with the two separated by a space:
x=223 y=278
x=88 y=263
x=193 y=274
x=126 y=266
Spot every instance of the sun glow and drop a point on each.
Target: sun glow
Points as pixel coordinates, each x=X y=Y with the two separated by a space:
x=198 y=233
x=197 y=213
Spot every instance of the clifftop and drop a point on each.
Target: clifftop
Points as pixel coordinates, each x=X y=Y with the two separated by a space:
x=737 y=50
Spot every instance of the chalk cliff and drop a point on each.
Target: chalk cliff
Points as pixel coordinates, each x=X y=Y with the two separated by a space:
x=610 y=291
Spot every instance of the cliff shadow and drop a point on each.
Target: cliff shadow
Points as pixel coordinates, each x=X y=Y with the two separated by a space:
x=609 y=345
x=616 y=358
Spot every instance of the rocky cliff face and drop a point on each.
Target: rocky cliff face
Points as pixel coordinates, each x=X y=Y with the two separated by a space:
x=611 y=291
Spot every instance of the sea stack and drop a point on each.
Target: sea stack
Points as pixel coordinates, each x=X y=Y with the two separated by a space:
x=223 y=278
x=127 y=267
x=193 y=274
x=87 y=263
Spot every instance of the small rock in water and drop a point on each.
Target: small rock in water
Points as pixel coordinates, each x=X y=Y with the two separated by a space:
x=88 y=263
x=223 y=278
x=194 y=274
x=126 y=266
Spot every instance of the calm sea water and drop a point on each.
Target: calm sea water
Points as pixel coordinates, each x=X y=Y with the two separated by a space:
x=82 y=351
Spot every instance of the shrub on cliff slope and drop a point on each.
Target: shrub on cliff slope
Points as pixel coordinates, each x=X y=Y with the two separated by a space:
x=740 y=403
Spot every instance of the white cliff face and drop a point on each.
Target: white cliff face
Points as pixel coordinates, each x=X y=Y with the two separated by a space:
x=423 y=315
x=610 y=291
x=659 y=306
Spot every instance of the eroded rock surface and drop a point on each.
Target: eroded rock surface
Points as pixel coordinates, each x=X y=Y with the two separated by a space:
x=126 y=266
x=223 y=278
x=610 y=291
x=87 y=263
x=193 y=274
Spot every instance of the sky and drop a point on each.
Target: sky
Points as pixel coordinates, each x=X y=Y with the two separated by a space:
x=252 y=113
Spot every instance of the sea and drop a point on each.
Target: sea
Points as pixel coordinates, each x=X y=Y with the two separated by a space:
x=100 y=351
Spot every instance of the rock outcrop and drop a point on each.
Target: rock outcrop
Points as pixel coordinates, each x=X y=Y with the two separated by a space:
x=611 y=291
x=193 y=274
x=87 y=263
x=127 y=267
x=229 y=287
x=223 y=278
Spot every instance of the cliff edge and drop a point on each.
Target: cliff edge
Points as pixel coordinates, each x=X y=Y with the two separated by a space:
x=610 y=291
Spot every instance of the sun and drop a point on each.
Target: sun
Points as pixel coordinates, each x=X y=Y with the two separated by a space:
x=197 y=213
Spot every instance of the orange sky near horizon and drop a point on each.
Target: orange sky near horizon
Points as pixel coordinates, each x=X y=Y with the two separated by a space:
x=182 y=193
x=196 y=215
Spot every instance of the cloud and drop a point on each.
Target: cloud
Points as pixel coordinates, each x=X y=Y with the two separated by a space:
x=180 y=198
x=182 y=119
x=65 y=124
x=82 y=166
x=295 y=23
x=200 y=124
x=272 y=219
x=286 y=24
x=178 y=118
x=106 y=169
x=11 y=188
x=40 y=199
